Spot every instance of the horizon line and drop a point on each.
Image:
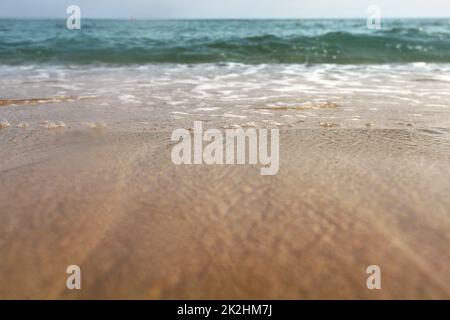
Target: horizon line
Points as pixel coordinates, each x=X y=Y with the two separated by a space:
x=187 y=19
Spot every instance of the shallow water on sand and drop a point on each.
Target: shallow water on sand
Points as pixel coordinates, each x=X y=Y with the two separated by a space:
x=167 y=96
x=141 y=227
x=86 y=179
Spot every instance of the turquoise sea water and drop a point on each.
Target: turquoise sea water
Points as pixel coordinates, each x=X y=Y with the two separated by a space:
x=123 y=42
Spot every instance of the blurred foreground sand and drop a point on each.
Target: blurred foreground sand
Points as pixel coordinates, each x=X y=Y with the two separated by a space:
x=141 y=227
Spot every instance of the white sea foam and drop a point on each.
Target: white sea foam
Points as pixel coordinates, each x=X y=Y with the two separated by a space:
x=208 y=109
x=53 y=124
x=230 y=115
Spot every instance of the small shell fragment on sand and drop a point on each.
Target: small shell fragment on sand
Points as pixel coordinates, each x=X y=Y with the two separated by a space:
x=97 y=125
x=328 y=124
x=23 y=125
x=4 y=124
x=250 y=125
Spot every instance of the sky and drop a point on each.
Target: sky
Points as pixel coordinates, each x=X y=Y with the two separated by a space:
x=221 y=9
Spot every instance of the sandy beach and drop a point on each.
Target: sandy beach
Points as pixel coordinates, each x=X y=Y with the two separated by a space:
x=140 y=227
x=134 y=154
x=86 y=179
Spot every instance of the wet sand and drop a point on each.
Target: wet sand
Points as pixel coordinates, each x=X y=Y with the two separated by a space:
x=86 y=179
x=140 y=227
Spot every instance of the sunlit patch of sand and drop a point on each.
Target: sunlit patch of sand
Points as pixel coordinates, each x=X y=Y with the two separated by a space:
x=34 y=101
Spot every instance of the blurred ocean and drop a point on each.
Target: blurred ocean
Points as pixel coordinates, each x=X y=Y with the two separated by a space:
x=123 y=42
